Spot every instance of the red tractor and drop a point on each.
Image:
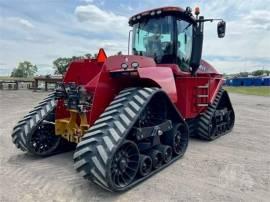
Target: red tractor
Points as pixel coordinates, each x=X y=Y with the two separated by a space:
x=130 y=116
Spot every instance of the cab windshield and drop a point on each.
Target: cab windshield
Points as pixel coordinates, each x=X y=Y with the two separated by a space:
x=154 y=38
x=167 y=39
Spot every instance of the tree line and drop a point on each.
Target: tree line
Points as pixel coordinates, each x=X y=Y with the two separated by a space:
x=60 y=64
x=26 y=69
x=259 y=72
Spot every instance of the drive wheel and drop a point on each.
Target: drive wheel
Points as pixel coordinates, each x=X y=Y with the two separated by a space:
x=124 y=165
x=43 y=140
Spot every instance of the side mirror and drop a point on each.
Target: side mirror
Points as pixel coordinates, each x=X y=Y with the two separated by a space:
x=221 y=28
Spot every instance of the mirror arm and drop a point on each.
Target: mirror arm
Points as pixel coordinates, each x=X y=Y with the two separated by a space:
x=208 y=20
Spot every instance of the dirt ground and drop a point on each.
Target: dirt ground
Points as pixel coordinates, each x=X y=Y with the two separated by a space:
x=235 y=167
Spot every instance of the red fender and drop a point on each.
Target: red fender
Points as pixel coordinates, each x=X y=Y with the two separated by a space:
x=163 y=76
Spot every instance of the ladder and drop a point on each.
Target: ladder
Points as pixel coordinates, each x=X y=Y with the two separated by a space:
x=202 y=95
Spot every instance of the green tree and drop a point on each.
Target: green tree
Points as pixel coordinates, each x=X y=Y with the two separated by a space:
x=258 y=73
x=24 y=69
x=88 y=55
x=60 y=65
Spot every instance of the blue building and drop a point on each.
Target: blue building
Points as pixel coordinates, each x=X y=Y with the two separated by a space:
x=249 y=81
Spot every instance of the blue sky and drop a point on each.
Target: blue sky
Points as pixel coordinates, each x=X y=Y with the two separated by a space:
x=42 y=30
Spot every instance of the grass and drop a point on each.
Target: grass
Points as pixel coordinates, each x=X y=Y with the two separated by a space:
x=260 y=91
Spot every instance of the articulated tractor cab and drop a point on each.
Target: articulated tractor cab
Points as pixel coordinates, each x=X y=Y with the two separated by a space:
x=130 y=116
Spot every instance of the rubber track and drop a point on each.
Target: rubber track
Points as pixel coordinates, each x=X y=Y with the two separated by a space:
x=205 y=118
x=192 y=127
x=29 y=123
x=94 y=153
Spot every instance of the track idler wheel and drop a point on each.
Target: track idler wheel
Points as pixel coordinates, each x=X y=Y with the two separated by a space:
x=125 y=164
x=177 y=139
x=145 y=165
x=156 y=157
x=166 y=152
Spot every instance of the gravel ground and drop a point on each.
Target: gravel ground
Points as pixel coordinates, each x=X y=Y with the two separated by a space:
x=235 y=167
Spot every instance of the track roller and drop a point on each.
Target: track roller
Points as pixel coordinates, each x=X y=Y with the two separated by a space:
x=156 y=157
x=166 y=152
x=145 y=165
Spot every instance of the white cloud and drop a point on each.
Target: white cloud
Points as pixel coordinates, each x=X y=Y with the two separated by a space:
x=247 y=35
x=90 y=28
x=16 y=21
x=258 y=19
x=25 y=23
x=98 y=20
x=44 y=42
x=235 y=66
x=43 y=49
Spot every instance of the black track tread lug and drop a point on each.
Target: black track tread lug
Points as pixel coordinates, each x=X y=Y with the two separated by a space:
x=203 y=126
x=97 y=149
x=25 y=126
x=192 y=125
x=204 y=120
x=106 y=140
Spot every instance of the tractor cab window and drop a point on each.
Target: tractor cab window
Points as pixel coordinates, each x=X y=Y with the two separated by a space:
x=184 y=44
x=154 y=38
